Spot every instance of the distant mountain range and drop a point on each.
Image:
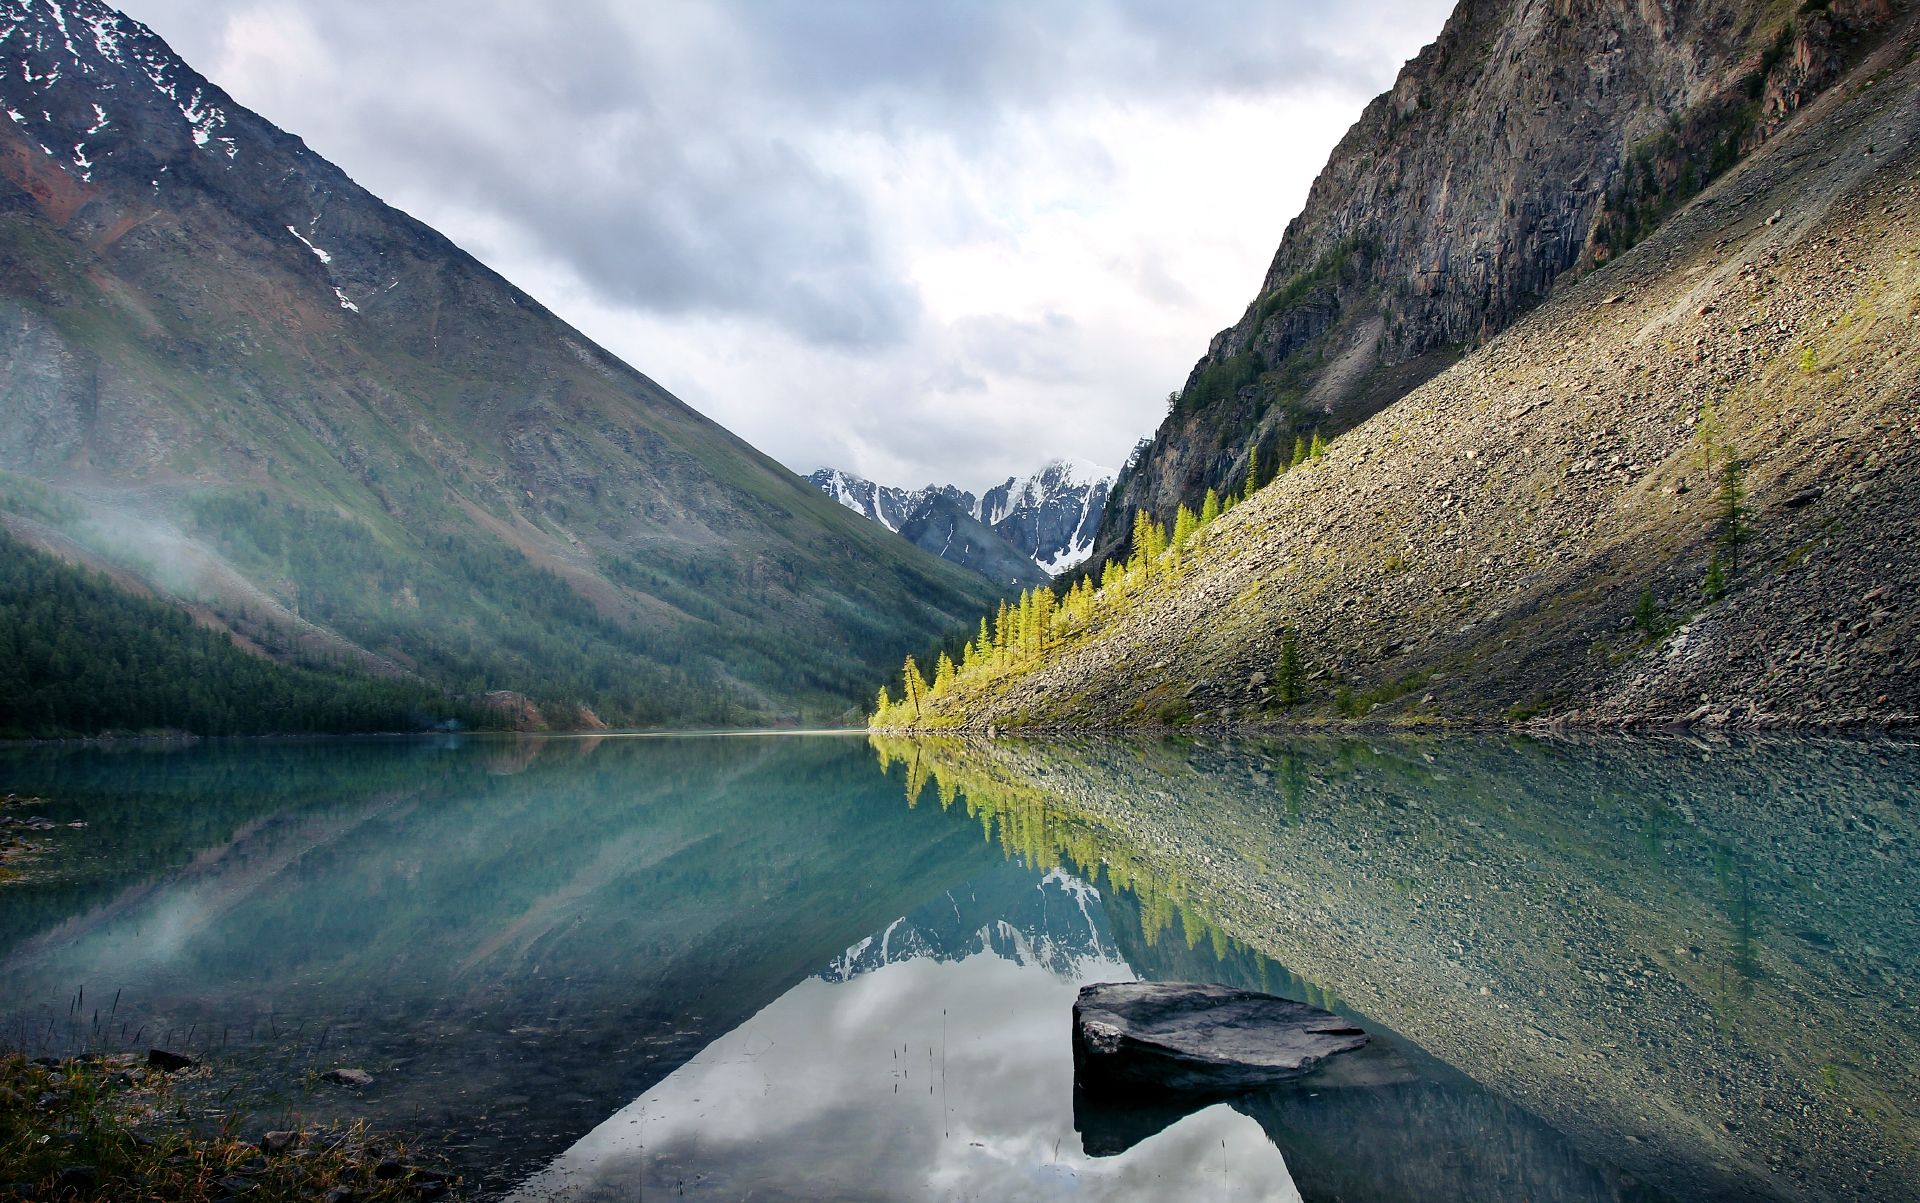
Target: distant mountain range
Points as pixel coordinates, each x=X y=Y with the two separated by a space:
x=238 y=380
x=1023 y=531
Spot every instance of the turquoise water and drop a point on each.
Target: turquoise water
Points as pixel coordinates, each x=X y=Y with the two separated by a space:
x=819 y=967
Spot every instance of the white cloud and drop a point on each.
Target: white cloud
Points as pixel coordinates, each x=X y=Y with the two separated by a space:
x=928 y=242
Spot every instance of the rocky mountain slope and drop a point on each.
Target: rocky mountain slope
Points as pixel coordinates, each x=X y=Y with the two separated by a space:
x=1683 y=490
x=1529 y=143
x=1048 y=518
x=343 y=439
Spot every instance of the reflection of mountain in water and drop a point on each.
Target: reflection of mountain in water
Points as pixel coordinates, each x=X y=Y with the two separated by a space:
x=1056 y=923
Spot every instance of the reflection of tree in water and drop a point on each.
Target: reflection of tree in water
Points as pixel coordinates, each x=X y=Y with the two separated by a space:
x=1737 y=898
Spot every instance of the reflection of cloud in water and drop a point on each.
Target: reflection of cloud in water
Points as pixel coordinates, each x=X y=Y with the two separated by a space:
x=933 y=1060
x=921 y=1079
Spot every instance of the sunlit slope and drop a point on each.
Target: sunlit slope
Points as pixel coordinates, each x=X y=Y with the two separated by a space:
x=277 y=395
x=1683 y=489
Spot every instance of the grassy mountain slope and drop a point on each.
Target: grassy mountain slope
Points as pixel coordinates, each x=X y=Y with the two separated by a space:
x=277 y=397
x=1683 y=490
x=1526 y=145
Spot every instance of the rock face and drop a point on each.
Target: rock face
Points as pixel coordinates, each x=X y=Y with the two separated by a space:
x=1193 y=1036
x=1529 y=143
x=1053 y=515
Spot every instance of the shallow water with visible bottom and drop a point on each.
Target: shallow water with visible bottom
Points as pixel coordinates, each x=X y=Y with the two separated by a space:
x=828 y=967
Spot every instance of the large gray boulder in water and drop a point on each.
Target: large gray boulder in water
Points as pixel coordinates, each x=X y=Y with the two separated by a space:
x=1196 y=1036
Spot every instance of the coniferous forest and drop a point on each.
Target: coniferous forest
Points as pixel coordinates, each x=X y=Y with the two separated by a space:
x=79 y=656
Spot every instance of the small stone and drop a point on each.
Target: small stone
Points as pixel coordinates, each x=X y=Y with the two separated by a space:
x=348 y=1077
x=340 y=1194
x=392 y=1167
x=278 y=1142
x=160 y=1058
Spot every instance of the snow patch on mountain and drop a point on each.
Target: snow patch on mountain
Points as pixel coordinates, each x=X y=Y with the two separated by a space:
x=37 y=50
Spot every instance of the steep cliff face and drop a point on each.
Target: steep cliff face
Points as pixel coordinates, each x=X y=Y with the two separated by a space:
x=1531 y=141
x=285 y=400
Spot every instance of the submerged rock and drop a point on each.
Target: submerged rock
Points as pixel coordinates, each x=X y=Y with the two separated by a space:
x=348 y=1077
x=1197 y=1036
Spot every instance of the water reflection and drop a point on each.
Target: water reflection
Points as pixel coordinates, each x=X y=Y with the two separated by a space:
x=1695 y=960
x=1593 y=970
x=514 y=937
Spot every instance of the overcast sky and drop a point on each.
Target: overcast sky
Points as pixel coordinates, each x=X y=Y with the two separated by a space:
x=922 y=240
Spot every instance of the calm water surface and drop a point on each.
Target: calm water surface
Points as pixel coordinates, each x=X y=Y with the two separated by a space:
x=829 y=967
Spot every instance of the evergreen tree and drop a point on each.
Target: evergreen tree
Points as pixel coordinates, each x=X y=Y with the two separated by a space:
x=1044 y=603
x=1184 y=524
x=1733 y=513
x=1646 y=613
x=916 y=687
x=1289 y=681
x=1253 y=481
x=1210 y=508
x=1319 y=447
x=1715 y=585
x=882 y=710
x=1142 y=542
x=1300 y=450
x=942 y=675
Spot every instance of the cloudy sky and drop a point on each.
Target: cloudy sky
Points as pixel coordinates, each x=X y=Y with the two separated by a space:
x=922 y=240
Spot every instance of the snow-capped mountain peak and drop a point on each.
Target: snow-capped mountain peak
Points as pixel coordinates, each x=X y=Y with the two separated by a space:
x=1051 y=515
x=1048 y=517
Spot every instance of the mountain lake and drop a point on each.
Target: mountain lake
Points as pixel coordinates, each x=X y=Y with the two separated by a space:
x=829 y=966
